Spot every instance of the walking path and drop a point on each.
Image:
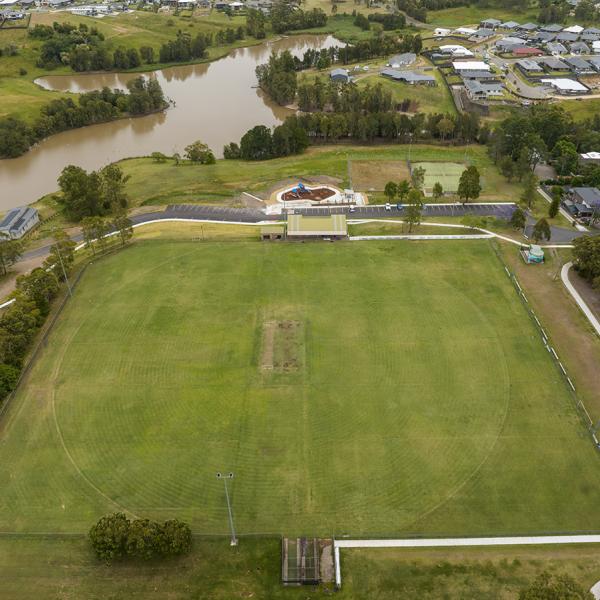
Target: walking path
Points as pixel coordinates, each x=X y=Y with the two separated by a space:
x=564 y=275
x=458 y=542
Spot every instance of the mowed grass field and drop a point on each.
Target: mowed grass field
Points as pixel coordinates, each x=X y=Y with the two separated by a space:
x=411 y=394
x=446 y=173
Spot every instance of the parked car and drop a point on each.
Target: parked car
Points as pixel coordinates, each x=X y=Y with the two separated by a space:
x=388 y=206
x=399 y=206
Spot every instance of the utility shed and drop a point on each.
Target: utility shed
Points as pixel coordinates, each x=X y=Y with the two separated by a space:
x=308 y=227
x=18 y=222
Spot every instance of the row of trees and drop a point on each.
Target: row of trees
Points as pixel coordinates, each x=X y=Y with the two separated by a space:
x=145 y=96
x=115 y=537
x=586 y=255
x=34 y=293
x=287 y=17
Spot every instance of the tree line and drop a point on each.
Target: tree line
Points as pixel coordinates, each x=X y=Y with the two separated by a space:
x=115 y=537
x=16 y=136
x=287 y=17
x=299 y=131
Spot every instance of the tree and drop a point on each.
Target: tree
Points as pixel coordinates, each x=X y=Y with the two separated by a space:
x=231 y=151
x=10 y=252
x=403 y=189
x=418 y=176
x=124 y=226
x=176 y=158
x=554 y=587
x=144 y=539
x=39 y=286
x=391 y=190
x=113 y=187
x=94 y=229
x=176 y=538
x=586 y=257
x=541 y=231
x=81 y=193
x=529 y=190
x=507 y=167
x=9 y=375
x=553 y=208
x=518 y=219
x=445 y=127
x=200 y=153
x=257 y=144
x=158 y=157
x=469 y=186
x=566 y=157
x=109 y=537
x=61 y=255
x=414 y=209
x=438 y=190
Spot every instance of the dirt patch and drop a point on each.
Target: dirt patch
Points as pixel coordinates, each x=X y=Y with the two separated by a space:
x=315 y=194
x=282 y=346
x=372 y=175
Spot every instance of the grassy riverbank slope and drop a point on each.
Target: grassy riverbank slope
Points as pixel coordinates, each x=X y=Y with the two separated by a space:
x=21 y=97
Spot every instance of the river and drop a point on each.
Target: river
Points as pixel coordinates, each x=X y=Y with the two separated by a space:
x=216 y=102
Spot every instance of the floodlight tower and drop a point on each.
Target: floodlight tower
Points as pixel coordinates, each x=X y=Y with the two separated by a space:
x=225 y=477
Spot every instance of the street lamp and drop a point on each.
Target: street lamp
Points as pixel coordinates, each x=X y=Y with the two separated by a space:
x=225 y=477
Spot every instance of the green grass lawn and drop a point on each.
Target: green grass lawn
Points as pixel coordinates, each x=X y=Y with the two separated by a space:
x=65 y=568
x=153 y=183
x=414 y=396
x=473 y=15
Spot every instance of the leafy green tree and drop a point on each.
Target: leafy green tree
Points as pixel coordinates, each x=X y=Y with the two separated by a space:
x=507 y=167
x=18 y=324
x=418 y=177
x=403 y=189
x=109 y=537
x=518 y=219
x=200 y=153
x=554 y=587
x=529 y=193
x=445 y=127
x=10 y=252
x=61 y=255
x=94 y=229
x=469 y=186
x=541 y=231
x=9 y=375
x=81 y=193
x=231 y=151
x=257 y=144
x=414 y=209
x=113 y=183
x=176 y=538
x=438 y=190
x=39 y=286
x=124 y=227
x=391 y=190
x=158 y=157
x=144 y=539
x=586 y=257
x=566 y=157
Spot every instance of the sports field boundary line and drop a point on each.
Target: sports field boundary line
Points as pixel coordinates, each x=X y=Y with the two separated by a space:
x=541 y=540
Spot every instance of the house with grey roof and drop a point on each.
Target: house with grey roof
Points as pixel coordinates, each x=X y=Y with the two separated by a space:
x=528 y=27
x=552 y=27
x=556 y=48
x=409 y=77
x=340 y=76
x=565 y=36
x=18 y=221
x=483 y=91
x=540 y=37
x=588 y=196
x=579 y=65
x=580 y=48
x=529 y=66
x=490 y=23
x=402 y=60
x=482 y=34
x=554 y=64
x=508 y=43
x=479 y=75
x=594 y=61
x=509 y=25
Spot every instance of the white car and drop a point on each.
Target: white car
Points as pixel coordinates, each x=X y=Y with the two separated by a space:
x=388 y=207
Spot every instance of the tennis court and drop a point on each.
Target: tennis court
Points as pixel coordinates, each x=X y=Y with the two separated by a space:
x=446 y=173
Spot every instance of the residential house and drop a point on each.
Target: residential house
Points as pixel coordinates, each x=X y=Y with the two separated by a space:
x=541 y=37
x=402 y=60
x=482 y=34
x=566 y=87
x=409 y=77
x=579 y=65
x=470 y=65
x=580 y=48
x=480 y=75
x=585 y=197
x=527 y=27
x=483 y=91
x=490 y=24
x=455 y=50
x=578 y=29
x=525 y=51
x=509 y=26
x=528 y=66
x=340 y=76
x=556 y=48
x=441 y=32
x=594 y=61
x=596 y=47
x=551 y=63
x=588 y=158
x=565 y=36
x=552 y=27
x=466 y=31
x=505 y=45
x=18 y=221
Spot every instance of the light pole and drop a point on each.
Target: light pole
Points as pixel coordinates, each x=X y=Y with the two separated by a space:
x=225 y=477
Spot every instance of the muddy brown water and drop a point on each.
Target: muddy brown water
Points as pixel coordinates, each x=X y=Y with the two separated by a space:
x=216 y=102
